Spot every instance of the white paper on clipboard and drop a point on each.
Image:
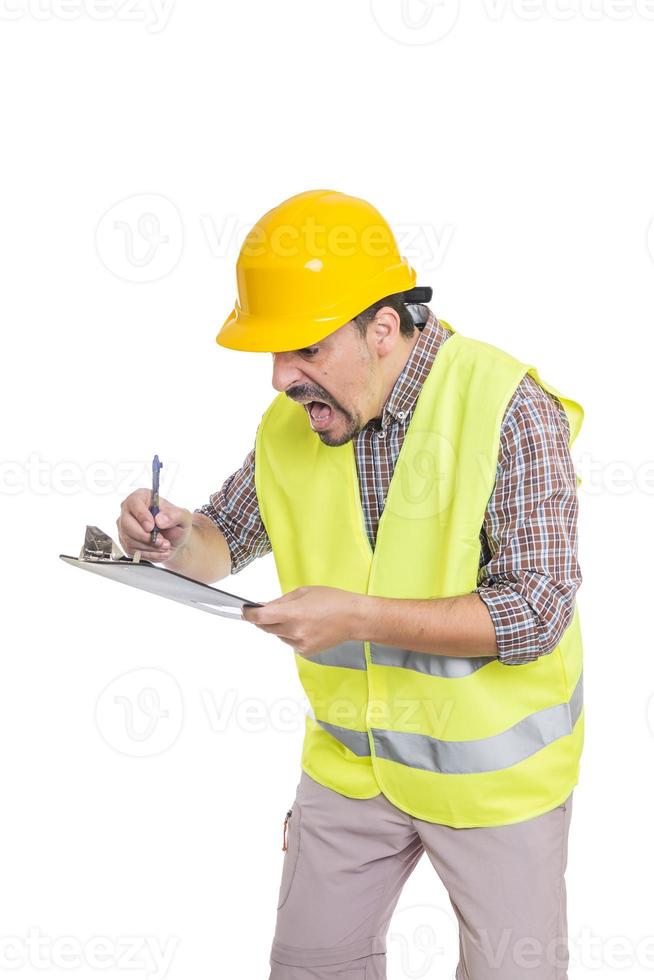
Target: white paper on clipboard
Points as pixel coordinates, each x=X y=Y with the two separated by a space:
x=151 y=578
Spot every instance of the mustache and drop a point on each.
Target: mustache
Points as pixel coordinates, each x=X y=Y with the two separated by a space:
x=302 y=393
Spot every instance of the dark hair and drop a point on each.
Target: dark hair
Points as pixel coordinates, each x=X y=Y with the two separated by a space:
x=396 y=302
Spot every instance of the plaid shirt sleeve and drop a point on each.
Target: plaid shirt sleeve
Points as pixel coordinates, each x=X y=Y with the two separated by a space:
x=529 y=572
x=234 y=509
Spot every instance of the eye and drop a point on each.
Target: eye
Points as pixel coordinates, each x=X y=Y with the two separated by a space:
x=309 y=351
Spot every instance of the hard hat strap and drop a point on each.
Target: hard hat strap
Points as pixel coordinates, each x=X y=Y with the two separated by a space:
x=419 y=294
x=414 y=299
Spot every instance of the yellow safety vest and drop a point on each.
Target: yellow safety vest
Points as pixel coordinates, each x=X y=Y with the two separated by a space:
x=460 y=741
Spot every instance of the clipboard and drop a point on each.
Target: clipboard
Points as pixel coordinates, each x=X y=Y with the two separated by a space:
x=101 y=556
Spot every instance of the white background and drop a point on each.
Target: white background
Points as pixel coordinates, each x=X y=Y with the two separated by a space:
x=511 y=147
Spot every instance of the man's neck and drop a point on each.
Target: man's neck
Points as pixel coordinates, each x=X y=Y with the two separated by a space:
x=389 y=387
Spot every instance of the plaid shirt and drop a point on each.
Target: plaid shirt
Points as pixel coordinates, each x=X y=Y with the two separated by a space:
x=528 y=568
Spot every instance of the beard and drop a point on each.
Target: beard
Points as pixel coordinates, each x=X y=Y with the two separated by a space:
x=353 y=425
x=352 y=428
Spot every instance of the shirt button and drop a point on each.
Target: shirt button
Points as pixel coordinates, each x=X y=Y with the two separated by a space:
x=401 y=415
x=381 y=434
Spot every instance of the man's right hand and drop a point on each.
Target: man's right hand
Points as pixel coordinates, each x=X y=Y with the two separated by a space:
x=136 y=522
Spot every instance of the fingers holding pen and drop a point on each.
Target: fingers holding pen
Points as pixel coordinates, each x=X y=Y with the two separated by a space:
x=136 y=523
x=161 y=550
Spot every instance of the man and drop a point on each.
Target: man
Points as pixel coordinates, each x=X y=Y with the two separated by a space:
x=416 y=489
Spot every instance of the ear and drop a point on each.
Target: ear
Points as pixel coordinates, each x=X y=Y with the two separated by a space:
x=384 y=329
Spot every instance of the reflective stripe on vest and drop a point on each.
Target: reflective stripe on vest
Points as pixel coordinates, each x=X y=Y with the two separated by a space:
x=356 y=742
x=477 y=755
x=351 y=654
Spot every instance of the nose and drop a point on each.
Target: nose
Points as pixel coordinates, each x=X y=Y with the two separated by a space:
x=286 y=371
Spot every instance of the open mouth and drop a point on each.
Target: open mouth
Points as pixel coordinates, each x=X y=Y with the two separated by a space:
x=320 y=415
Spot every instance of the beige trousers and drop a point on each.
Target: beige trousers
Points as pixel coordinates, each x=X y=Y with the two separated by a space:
x=347 y=861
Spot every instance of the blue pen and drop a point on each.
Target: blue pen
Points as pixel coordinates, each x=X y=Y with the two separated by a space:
x=154 y=499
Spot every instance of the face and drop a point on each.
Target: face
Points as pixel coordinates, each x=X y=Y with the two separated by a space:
x=343 y=380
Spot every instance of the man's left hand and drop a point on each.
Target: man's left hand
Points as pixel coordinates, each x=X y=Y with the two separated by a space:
x=310 y=619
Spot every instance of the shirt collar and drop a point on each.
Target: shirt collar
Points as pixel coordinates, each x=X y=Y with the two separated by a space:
x=404 y=394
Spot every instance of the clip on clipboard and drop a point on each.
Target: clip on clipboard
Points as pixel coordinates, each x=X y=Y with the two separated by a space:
x=101 y=555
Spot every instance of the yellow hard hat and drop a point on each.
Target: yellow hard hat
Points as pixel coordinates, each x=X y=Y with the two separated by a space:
x=307 y=268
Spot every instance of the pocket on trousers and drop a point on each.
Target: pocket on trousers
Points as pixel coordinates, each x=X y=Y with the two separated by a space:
x=293 y=829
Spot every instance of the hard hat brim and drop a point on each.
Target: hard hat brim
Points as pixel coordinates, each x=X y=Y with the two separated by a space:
x=251 y=332
x=242 y=331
